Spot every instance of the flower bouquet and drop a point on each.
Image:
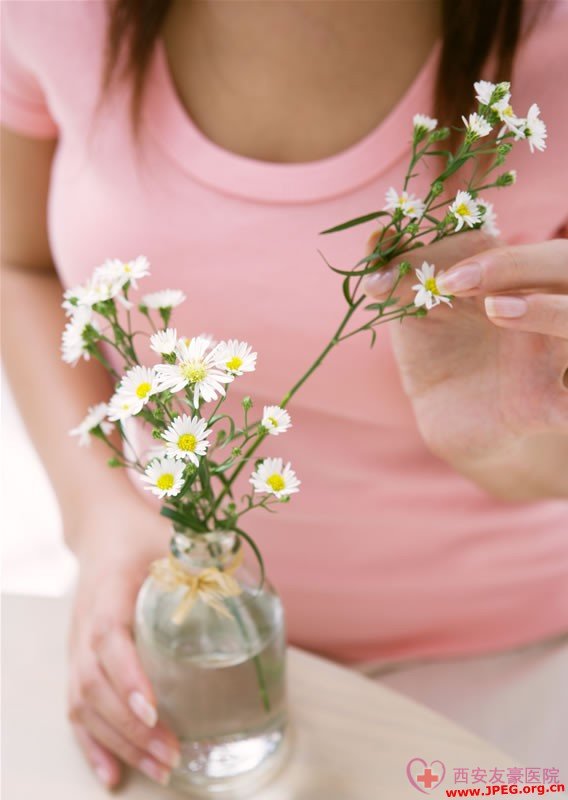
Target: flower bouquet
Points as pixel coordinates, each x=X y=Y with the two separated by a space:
x=209 y=632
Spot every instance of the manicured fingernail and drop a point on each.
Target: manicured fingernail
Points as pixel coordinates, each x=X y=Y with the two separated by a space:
x=104 y=774
x=379 y=283
x=154 y=771
x=461 y=279
x=164 y=753
x=143 y=709
x=508 y=307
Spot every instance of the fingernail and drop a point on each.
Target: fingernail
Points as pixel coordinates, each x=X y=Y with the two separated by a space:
x=164 y=753
x=461 y=279
x=154 y=771
x=103 y=773
x=379 y=283
x=509 y=307
x=143 y=709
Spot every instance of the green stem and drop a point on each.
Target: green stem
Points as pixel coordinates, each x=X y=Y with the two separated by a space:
x=255 y=659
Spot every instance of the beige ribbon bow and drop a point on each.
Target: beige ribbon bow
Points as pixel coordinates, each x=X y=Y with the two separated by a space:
x=210 y=585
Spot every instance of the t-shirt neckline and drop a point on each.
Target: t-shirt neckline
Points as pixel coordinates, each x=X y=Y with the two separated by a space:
x=216 y=167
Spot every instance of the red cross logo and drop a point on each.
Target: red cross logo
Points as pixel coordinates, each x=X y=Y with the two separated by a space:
x=428 y=778
x=425 y=776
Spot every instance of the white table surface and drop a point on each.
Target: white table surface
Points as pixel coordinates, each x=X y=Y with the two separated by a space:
x=352 y=737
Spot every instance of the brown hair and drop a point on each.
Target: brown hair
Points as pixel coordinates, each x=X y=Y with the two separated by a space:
x=472 y=31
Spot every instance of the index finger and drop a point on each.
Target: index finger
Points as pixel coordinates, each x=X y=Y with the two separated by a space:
x=502 y=269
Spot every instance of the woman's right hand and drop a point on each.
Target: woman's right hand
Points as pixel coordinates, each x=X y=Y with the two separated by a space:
x=112 y=707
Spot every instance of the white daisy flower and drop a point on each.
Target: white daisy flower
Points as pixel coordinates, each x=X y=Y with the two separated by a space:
x=164 y=342
x=139 y=383
x=99 y=288
x=483 y=91
x=476 y=126
x=115 y=271
x=410 y=205
x=211 y=341
x=73 y=346
x=96 y=417
x=123 y=406
x=275 y=420
x=187 y=438
x=423 y=125
x=76 y=297
x=465 y=210
x=167 y=298
x=504 y=111
x=272 y=477
x=197 y=368
x=427 y=291
x=424 y=121
x=164 y=477
x=534 y=130
x=489 y=224
x=237 y=357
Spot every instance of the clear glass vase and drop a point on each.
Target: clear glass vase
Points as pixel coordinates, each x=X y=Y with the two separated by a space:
x=219 y=678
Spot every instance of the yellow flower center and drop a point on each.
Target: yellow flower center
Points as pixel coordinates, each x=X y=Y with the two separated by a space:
x=142 y=389
x=273 y=421
x=431 y=286
x=462 y=210
x=234 y=363
x=127 y=268
x=193 y=372
x=165 y=481
x=187 y=442
x=508 y=111
x=276 y=482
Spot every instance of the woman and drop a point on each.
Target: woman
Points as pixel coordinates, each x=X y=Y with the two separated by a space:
x=434 y=519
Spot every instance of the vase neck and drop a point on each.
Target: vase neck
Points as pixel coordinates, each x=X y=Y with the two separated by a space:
x=196 y=551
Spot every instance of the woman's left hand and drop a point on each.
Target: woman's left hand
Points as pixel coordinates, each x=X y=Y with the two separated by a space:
x=488 y=378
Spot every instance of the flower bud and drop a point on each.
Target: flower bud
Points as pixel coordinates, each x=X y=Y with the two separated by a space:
x=404 y=268
x=499 y=92
x=246 y=403
x=507 y=178
x=421 y=312
x=504 y=148
x=412 y=229
x=113 y=462
x=437 y=188
x=439 y=135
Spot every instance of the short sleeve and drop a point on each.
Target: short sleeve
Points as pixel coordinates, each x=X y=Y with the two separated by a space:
x=23 y=106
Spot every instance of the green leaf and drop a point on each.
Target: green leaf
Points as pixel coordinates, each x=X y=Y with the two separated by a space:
x=373 y=337
x=356 y=221
x=217 y=470
x=185 y=519
x=391 y=301
x=454 y=165
x=347 y=292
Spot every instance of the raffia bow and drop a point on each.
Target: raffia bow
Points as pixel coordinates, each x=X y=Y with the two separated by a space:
x=210 y=585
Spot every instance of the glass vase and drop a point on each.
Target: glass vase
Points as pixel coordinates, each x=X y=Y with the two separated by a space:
x=217 y=666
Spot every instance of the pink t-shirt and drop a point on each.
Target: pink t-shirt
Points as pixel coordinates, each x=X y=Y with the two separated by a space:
x=386 y=552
